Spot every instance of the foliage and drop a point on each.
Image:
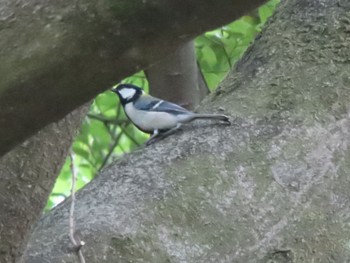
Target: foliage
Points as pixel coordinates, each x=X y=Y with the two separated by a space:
x=106 y=134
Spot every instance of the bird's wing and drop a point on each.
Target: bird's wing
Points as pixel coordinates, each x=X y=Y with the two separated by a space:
x=150 y=103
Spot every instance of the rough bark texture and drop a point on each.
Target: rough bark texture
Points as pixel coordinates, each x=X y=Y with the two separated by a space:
x=58 y=54
x=27 y=175
x=273 y=187
x=178 y=78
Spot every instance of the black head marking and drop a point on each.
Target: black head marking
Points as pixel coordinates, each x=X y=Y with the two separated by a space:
x=127 y=93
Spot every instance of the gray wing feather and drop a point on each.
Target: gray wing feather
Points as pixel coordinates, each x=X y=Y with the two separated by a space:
x=150 y=103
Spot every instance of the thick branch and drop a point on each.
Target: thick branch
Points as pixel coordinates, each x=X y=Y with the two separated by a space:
x=57 y=54
x=274 y=187
x=27 y=176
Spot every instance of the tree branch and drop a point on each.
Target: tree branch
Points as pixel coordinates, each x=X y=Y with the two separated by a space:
x=105 y=120
x=111 y=149
x=68 y=53
x=27 y=176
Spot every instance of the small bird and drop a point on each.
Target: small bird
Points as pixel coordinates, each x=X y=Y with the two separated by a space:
x=156 y=116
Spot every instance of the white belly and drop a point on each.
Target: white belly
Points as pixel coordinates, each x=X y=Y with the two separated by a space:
x=151 y=120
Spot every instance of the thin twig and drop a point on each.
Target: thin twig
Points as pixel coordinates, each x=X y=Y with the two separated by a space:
x=222 y=45
x=130 y=136
x=110 y=151
x=77 y=246
x=107 y=120
x=225 y=51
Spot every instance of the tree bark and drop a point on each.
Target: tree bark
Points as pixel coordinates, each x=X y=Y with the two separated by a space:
x=273 y=187
x=27 y=176
x=68 y=51
x=178 y=78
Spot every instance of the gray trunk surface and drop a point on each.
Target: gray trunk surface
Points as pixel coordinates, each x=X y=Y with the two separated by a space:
x=178 y=78
x=27 y=176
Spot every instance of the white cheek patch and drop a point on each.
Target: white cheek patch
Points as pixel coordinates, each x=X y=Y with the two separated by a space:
x=127 y=93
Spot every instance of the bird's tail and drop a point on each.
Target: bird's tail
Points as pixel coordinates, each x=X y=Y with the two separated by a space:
x=220 y=117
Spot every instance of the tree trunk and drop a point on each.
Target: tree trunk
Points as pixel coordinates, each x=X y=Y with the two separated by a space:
x=178 y=78
x=57 y=54
x=27 y=176
x=273 y=187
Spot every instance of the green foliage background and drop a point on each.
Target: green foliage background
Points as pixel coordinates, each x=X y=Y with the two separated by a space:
x=106 y=133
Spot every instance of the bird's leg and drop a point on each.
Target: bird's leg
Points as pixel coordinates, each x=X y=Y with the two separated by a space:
x=158 y=136
x=171 y=131
x=152 y=139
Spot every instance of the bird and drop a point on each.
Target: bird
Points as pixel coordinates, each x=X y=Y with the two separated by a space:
x=155 y=116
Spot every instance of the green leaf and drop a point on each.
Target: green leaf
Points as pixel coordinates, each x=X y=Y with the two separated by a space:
x=49 y=205
x=267 y=10
x=209 y=56
x=81 y=149
x=106 y=101
x=99 y=132
x=239 y=27
x=264 y=13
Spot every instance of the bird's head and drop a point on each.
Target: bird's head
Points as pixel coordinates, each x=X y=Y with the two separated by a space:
x=128 y=93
